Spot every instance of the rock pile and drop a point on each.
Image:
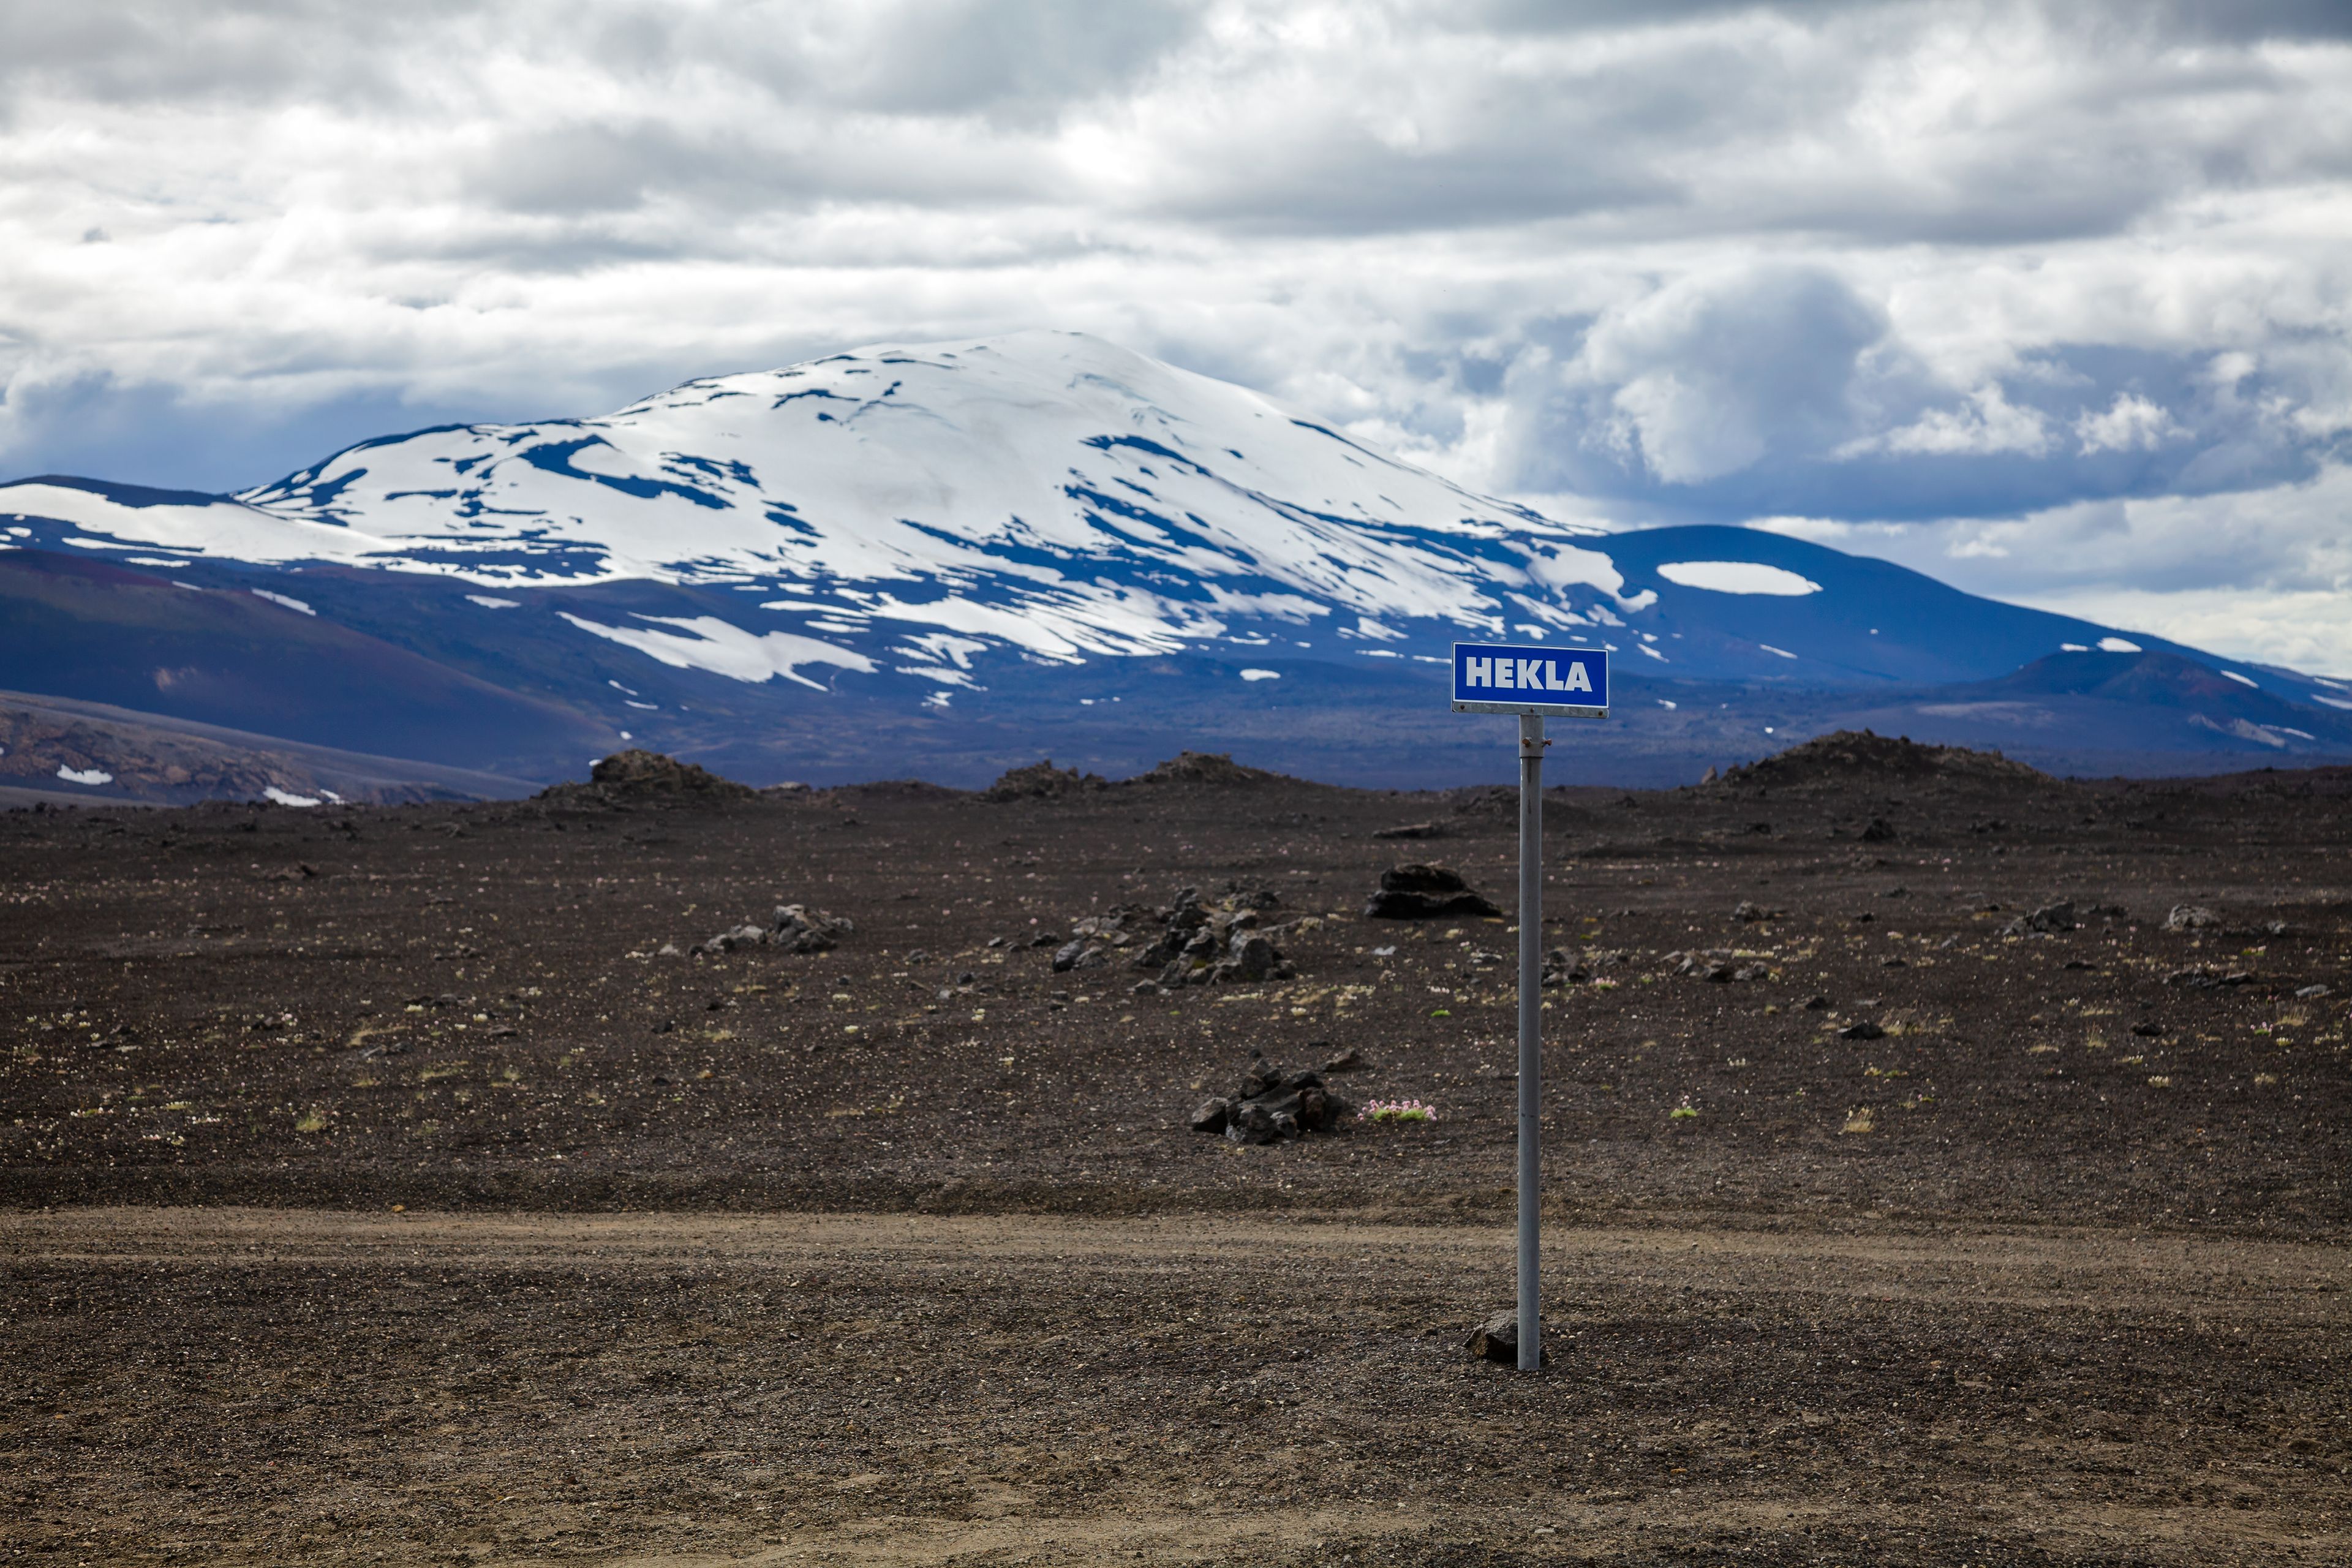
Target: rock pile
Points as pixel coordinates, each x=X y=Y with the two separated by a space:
x=1415 y=891
x=641 y=776
x=1195 y=941
x=1719 y=965
x=1847 y=756
x=2062 y=916
x=1203 y=767
x=1269 y=1105
x=2051 y=918
x=1042 y=781
x=2202 y=977
x=795 y=927
x=1561 y=967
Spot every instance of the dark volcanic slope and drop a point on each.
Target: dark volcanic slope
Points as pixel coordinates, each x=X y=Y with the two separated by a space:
x=433 y=1005
x=2045 y=1265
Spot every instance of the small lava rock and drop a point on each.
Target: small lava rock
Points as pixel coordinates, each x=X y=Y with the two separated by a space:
x=1498 y=1340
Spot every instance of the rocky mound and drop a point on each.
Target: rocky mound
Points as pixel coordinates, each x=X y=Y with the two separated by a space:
x=1193 y=942
x=894 y=790
x=1204 y=767
x=1848 y=756
x=1042 y=781
x=795 y=927
x=1415 y=891
x=1269 y=1105
x=638 y=775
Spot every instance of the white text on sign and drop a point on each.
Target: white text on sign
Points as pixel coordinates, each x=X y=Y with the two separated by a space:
x=1511 y=674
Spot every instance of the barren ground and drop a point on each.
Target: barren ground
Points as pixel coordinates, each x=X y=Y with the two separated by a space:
x=376 y=1189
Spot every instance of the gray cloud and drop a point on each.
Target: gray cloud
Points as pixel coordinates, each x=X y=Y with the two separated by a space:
x=1937 y=266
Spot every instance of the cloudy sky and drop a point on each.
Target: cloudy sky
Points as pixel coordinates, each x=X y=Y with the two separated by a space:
x=2052 y=301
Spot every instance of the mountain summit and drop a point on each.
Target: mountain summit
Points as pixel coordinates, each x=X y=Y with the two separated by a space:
x=946 y=558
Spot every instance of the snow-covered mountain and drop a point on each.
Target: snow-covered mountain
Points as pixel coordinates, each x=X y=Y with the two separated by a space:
x=922 y=554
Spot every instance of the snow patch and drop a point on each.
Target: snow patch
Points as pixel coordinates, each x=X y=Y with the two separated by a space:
x=2118 y=644
x=714 y=644
x=283 y=799
x=2240 y=679
x=291 y=602
x=1261 y=675
x=492 y=602
x=84 y=775
x=1570 y=566
x=1768 y=647
x=2074 y=647
x=2244 y=730
x=1737 y=577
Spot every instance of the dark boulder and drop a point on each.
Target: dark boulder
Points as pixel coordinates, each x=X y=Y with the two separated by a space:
x=1417 y=891
x=1498 y=1340
x=1250 y=1122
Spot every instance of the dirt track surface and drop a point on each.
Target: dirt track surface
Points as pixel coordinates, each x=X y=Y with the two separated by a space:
x=260 y=1385
x=375 y=1186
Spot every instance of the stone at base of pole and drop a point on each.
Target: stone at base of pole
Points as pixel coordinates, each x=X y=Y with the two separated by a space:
x=1498 y=1340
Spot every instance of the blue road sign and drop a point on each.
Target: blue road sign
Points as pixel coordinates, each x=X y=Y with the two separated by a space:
x=1513 y=678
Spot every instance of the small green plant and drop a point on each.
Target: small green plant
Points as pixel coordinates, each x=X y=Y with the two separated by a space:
x=1397 y=1110
x=1684 y=1111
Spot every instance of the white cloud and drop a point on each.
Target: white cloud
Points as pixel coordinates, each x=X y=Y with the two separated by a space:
x=1903 y=262
x=2132 y=423
x=1986 y=421
x=2263 y=575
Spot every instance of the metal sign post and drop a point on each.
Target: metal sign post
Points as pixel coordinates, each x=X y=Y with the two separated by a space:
x=1503 y=678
